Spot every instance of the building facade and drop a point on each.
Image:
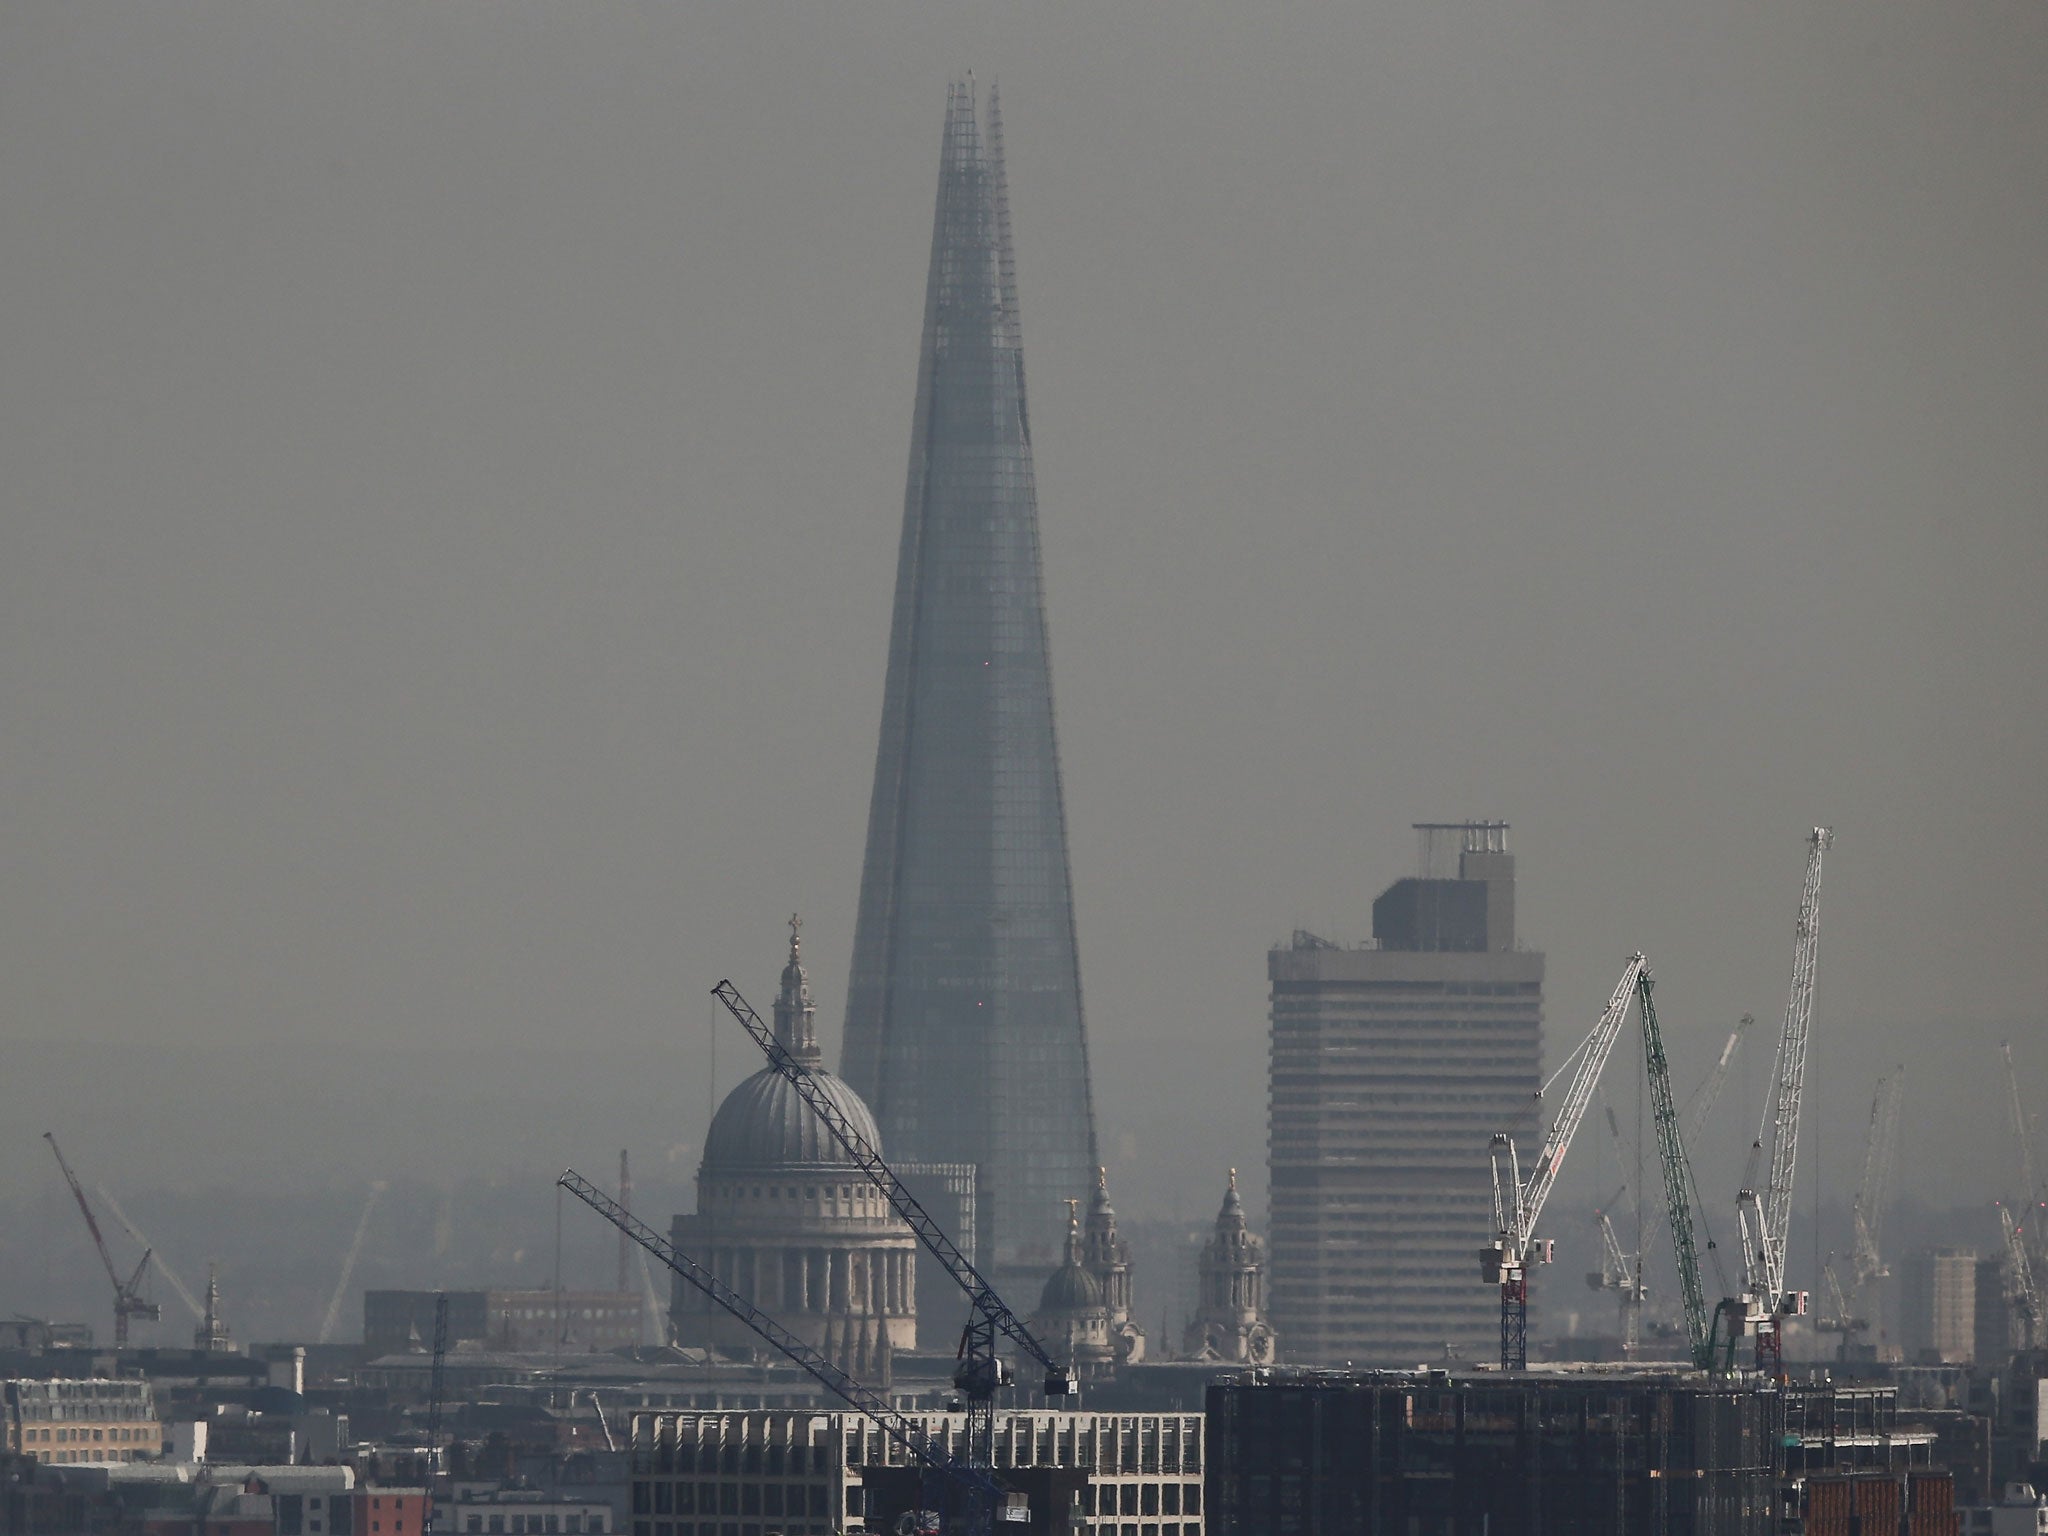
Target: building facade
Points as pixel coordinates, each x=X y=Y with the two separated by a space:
x=1938 y=1307
x=539 y=1321
x=1393 y=1065
x=1108 y=1258
x=811 y=1473
x=964 y=1027
x=1401 y=1452
x=1230 y=1313
x=66 y=1423
x=789 y=1220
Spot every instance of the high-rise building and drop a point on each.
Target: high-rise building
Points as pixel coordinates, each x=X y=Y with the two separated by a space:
x=964 y=1026
x=1938 y=1307
x=1393 y=1064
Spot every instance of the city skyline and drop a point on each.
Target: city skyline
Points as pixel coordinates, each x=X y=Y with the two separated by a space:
x=456 y=466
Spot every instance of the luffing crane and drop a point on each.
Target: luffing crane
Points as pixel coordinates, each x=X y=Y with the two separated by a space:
x=974 y=1487
x=1873 y=1193
x=437 y=1387
x=2032 y=1188
x=1701 y=1104
x=1766 y=1218
x=1518 y=1202
x=981 y=1372
x=128 y=1299
x=1677 y=1176
x=2022 y=1291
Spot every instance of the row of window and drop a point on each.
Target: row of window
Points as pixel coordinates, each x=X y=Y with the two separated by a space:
x=497 y=1524
x=120 y=1434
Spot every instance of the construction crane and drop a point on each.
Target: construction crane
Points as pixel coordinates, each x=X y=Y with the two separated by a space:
x=2032 y=1190
x=2022 y=1292
x=981 y=1372
x=128 y=1299
x=332 y=1319
x=437 y=1385
x=1701 y=1104
x=1677 y=1174
x=973 y=1486
x=1518 y=1203
x=1873 y=1191
x=192 y=1303
x=604 y=1424
x=1621 y=1273
x=1766 y=1218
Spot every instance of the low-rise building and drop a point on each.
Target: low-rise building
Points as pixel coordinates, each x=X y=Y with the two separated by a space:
x=64 y=1423
x=808 y=1474
x=516 y=1321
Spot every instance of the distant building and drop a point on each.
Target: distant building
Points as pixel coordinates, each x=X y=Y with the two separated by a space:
x=808 y=1474
x=1230 y=1317
x=1107 y=1257
x=789 y=1220
x=65 y=1423
x=1072 y=1319
x=1938 y=1307
x=964 y=1024
x=539 y=1321
x=1393 y=1064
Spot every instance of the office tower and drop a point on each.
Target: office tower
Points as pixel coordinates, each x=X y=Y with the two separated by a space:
x=1938 y=1307
x=964 y=1027
x=1393 y=1064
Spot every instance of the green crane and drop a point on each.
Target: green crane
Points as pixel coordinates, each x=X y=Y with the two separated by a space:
x=1677 y=1179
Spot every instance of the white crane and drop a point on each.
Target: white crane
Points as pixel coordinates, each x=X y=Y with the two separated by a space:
x=1518 y=1203
x=1767 y=1217
x=1701 y=1104
x=1873 y=1194
x=2022 y=1293
x=192 y=1302
x=348 y=1266
x=2032 y=1190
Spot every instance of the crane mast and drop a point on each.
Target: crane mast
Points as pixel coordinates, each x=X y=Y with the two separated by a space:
x=1873 y=1192
x=1518 y=1203
x=2022 y=1291
x=1766 y=1218
x=128 y=1301
x=975 y=1486
x=1677 y=1175
x=981 y=1372
x=436 y=1388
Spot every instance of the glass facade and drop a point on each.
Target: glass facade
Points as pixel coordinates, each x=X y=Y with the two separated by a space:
x=964 y=1022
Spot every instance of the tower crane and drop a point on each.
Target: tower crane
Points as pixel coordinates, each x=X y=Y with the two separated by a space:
x=437 y=1386
x=1677 y=1175
x=2032 y=1188
x=1873 y=1192
x=128 y=1300
x=981 y=1372
x=974 y=1486
x=1518 y=1202
x=332 y=1318
x=192 y=1303
x=1766 y=1218
x=2022 y=1291
x=1701 y=1104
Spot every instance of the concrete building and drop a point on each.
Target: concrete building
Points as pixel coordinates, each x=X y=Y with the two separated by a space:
x=1938 y=1307
x=807 y=1474
x=67 y=1423
x=786 y=1218
x=964 y=1025
x=1393 y=1064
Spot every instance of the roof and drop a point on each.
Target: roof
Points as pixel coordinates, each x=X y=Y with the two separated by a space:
x=764 y=1124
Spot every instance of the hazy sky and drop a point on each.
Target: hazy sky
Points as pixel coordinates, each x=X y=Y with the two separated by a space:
x=453 y=458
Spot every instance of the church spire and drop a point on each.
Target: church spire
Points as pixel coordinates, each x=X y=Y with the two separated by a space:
x=796 y=1013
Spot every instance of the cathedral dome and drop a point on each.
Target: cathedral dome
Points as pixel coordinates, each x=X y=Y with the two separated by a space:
x=764 y=1124
x=1070 y=1289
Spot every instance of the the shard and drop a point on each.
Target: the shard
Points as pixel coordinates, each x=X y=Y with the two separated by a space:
x=964 y=1025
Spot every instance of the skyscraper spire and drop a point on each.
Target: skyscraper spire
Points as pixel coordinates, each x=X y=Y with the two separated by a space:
x=964 y=1026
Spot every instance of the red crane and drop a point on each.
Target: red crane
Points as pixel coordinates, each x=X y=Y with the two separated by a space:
x=128 y=1301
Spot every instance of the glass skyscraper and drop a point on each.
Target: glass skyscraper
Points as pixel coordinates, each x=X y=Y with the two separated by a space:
x=964 y=1029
